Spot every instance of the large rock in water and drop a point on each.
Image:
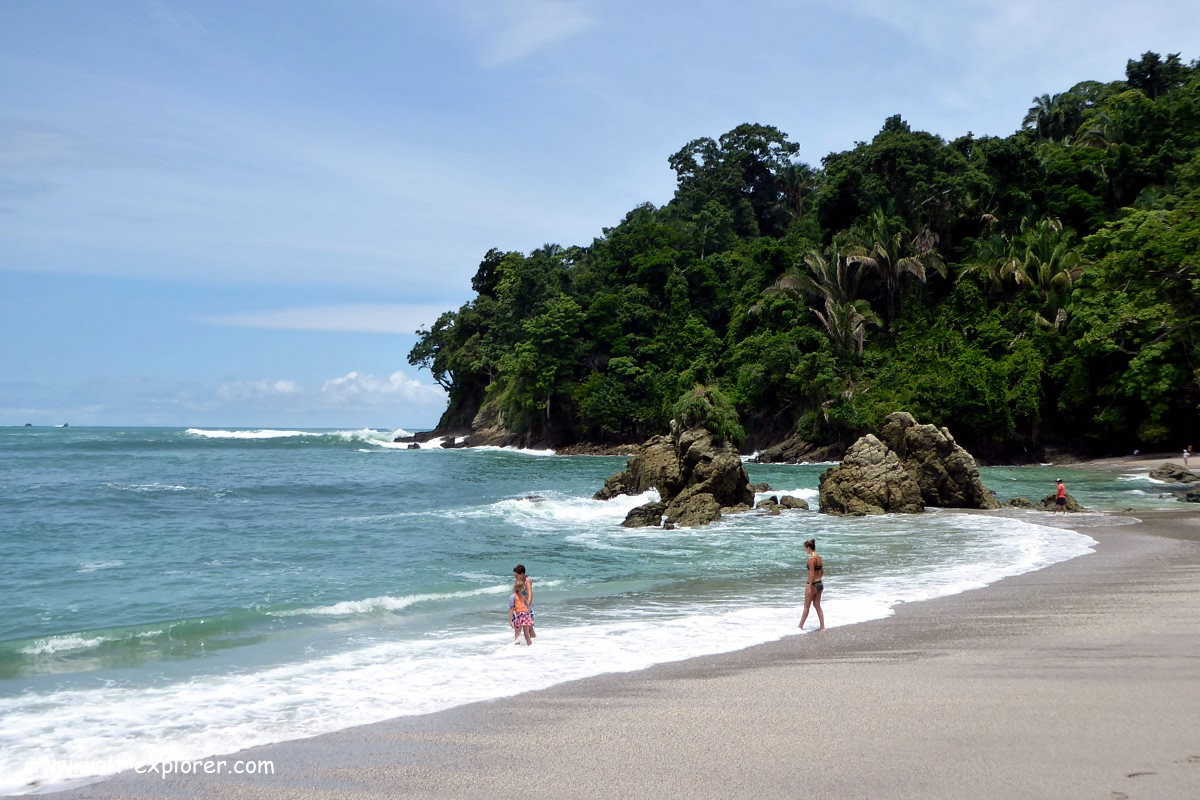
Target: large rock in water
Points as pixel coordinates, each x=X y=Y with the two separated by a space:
x=907 y=467
x=798 y=450
x=870 y=480
x=655 y=465
x=946 y=473
x=1173 y=473
x=694 y=476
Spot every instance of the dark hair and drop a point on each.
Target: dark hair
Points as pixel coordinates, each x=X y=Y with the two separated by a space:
x=519 y=569
x=811 y=544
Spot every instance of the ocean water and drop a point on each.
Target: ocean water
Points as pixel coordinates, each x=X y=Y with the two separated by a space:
x=171 y=594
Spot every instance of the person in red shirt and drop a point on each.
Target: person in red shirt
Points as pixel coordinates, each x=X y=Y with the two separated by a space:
x=1060 y=500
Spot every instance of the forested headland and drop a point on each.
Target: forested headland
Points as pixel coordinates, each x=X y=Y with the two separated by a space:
x=1036 y=291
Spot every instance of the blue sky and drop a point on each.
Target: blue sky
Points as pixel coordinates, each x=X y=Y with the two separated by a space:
x=236 y=214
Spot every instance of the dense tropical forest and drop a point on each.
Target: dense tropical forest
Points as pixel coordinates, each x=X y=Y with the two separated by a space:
x=1040 y=290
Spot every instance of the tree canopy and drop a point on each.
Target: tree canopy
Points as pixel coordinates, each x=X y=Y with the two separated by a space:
x=1030 y=290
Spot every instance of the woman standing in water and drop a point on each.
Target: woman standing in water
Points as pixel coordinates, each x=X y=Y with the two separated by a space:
x=816 y=584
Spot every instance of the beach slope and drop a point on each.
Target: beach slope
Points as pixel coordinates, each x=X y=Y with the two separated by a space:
x=1081 y=680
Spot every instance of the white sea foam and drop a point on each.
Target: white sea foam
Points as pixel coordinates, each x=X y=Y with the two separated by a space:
x=809 y=495
x=525 y=451
x=100 y=730
x=368 y=435
x=373 y=605
x=551 y=510
x=150 y=487
x=60 y=644
x=263 y=434
x=96 y=566
x=388 y=603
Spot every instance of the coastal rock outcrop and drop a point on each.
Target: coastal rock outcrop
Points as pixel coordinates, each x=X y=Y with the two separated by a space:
x=945 y=471
x=906 y=467
x=1192 y=496
x=797 y=450
x=1019 y=502
x=655 y=465
x=774 y=504
x=648 y=515
x=870 y=480
x=1173 y=473
x=1048 y=504
x=695 y=477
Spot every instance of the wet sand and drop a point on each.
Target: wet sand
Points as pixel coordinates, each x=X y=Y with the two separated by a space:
x=1081 y=680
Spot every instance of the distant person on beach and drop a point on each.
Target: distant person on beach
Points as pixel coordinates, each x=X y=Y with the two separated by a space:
x=1187 y=451
x=816 y=584
x=1060 y=499
x=519 y=616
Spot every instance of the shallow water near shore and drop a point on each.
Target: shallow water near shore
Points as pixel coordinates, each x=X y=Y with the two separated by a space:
x=175 y=593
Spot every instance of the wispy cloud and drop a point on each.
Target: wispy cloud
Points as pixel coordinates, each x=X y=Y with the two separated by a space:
x=350 y=394
x=353 y=399
x=514 y=29
x=359 y=388
x=355 y=318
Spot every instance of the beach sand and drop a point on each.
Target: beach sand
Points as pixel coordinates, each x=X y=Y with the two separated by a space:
x=1081 y=680
x=1145 y=461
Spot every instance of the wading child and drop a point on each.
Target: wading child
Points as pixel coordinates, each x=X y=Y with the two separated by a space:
x=519 y=616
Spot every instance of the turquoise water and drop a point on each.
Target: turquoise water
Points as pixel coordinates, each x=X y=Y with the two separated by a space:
x=174 y=593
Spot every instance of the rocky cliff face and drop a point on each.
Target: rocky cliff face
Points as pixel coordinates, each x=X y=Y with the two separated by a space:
x=907 y=467
x=695 y=477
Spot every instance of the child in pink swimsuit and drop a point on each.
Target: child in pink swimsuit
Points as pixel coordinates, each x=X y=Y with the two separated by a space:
x=519 y=616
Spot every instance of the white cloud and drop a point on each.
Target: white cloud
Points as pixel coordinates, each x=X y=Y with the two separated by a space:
x=356 y=318
x=514 y=29
x=353 y=390
x=355 y=399
x=245 y=390
x=356 y=388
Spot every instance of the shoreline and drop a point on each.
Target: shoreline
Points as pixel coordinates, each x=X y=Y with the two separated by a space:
x=1049 y=683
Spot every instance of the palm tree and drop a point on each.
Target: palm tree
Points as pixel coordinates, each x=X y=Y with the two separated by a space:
x=1101 y=132
x=834 y=284
x=1042 y=258
x=1041 y=114
x=846 y=323
x=881 y=247
x=797 y=181
x=1050 y=264
x=995 y=260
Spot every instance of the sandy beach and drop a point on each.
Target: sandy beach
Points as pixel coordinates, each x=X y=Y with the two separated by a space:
x=1081 y=680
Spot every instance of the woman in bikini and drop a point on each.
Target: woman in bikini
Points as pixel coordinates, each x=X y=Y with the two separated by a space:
x=816 y=584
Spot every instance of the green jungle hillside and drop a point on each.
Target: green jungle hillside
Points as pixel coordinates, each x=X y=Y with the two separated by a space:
x=1039 y=290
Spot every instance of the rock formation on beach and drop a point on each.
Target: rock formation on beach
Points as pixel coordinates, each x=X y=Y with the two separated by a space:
x=870 y=480
x=696 y=478
x=1048 y=504
x=906 y=467
x=1173 y=473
